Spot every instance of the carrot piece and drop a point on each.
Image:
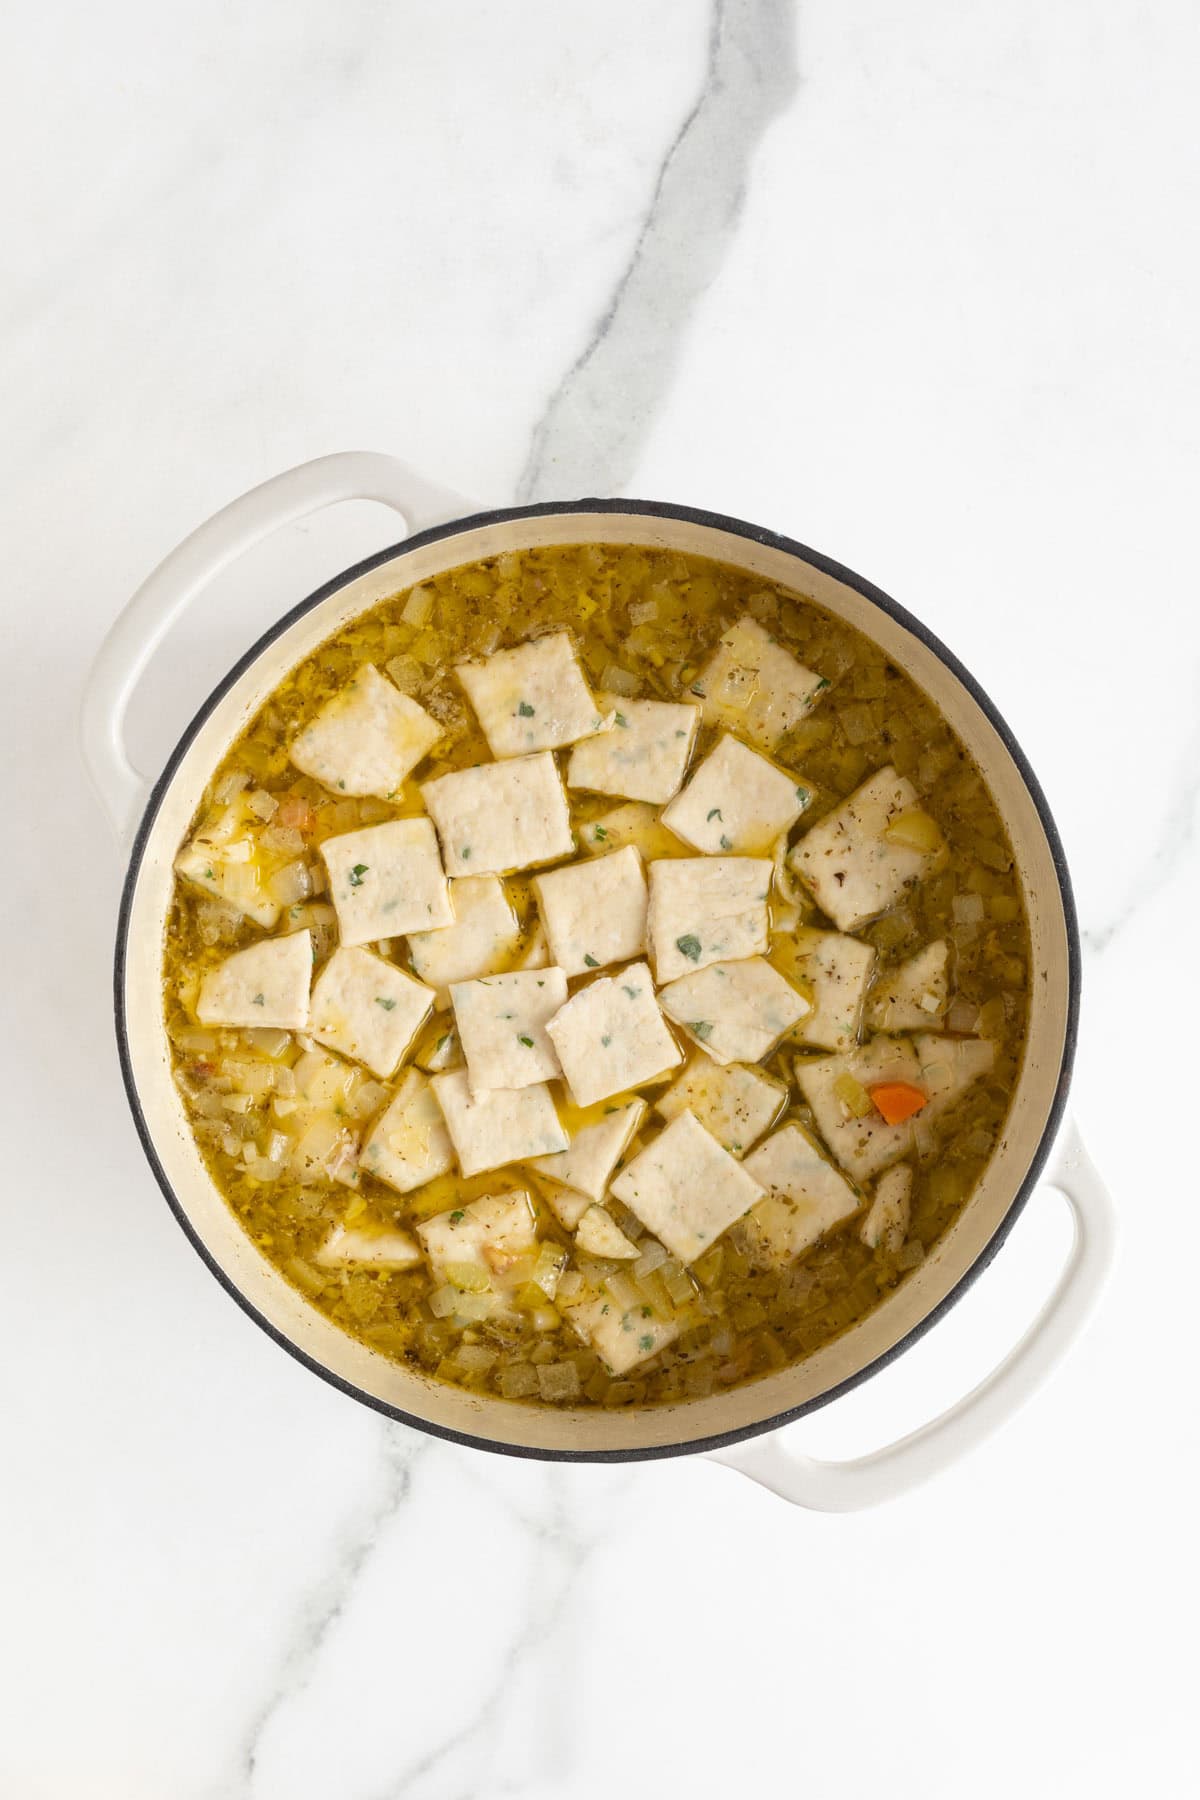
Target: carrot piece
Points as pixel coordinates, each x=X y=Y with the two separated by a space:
x=897 y=1100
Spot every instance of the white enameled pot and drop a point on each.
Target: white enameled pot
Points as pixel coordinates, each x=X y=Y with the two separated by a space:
x=742 y=1428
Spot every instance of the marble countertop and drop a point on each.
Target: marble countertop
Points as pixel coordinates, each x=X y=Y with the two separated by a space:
x=913 y=283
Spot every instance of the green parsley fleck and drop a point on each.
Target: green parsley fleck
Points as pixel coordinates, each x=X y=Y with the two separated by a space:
x=342 y=785
x=681 y=734
x=696 y=688
x=387 y=1005
x=465 y=853
x=525 y=710
x=689 y=946
x=605 y=1042
x=622 y=721
x=716 y=813
x=802 y=795
x=646 y=1343
x=647 y=1312
x=631 y=991
x=590 y=961
x=356 y=874
x=527 y=1041
x=441 y=1044
x=259 y=1000
x=726 y=843
x=701 y=1027
x=456 y=1218
x=599 y=833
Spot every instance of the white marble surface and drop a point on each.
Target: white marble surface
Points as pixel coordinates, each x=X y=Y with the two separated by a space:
x=916 y=283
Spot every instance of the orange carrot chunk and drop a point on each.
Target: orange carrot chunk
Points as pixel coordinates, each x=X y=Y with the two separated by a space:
x=897 y=1100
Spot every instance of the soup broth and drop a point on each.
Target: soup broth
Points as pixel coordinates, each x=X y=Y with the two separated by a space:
x=649 y=1057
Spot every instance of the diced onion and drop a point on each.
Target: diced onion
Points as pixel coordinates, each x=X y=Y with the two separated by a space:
x=474 y=1306
x=616 y=680
x=570 y=1285
x=518 y=1381
x=406 y=672
x=230 y=786
x=621 y=1291
x=472 y=1278
x=367 y=1099
x=249 y=1076
x=914 y=830
x=264 y=806
x=678 y=1283
x=282 y=840
x=963 y=1016
x=417 y=607
x=291 y=884
x=558 y=1381
x=853 y=1096
x=652 y=1257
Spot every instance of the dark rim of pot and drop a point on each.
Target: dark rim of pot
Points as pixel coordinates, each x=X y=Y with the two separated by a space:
x=736 y=528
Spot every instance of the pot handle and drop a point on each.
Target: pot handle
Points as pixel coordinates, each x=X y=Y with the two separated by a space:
x=141 y=627
x=886 y=1473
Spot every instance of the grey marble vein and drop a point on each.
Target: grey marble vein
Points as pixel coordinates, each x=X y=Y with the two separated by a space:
x=448 y=1770
x=1176 y=844
x=321 y=1608
x=588 y=437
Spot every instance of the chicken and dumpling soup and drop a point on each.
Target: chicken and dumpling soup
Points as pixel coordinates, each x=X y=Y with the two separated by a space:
x=596 y=978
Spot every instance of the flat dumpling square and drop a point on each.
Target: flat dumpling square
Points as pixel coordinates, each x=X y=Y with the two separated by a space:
x=686 y=1189
x=500 y=816
x=486 y=1233
x=503 y=1125
x=621 y=1337
x=890 y=1214
x=484 y=938
x=914 y=996
x=610 y=1036
x=737 y=1011
x=847 y=861
x=644 y=756
x=753 y=686
x=386 y=880
x=736 y=803
x=225 y=859
x=734 y=1103
x=706 y=909
x=864 y=1143
x=265 y=984
x=368 y=1009
x=366 y=740
x=531 y=698
x=806 y=1197
x=502 y=1027
x=594 y=912
x=370 y=1246
x=408 y=1144
x=598 y=1234
x=837 y=971
x=598 y=1140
